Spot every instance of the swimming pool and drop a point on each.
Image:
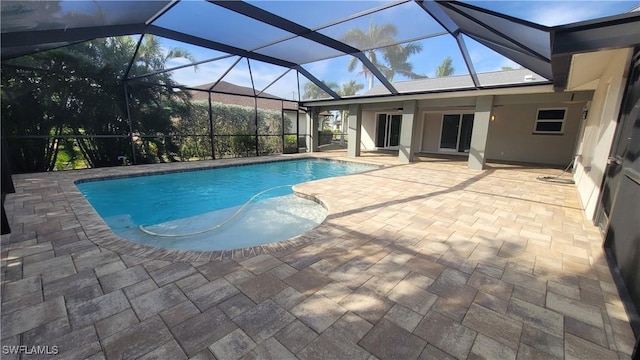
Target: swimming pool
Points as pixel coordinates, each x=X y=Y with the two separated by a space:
x=213 y=209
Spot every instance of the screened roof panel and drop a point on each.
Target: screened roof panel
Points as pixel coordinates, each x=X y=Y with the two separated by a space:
x=212 y=22
x=311 y=91
x=535 y=39
x=285 y=87
x=263 y=74
x=439 y=15
x=495 y=69
x=470 y=26
x=535 y=65
x=485 y=59
x=178 y=54
x=190 y=53
x=310 y=36
x=47 y=15
x=104 y=57
x=335 y=72
x=299 y=50
x=418 y=59
x=206 y=73
x=14 y=53
x=439 y=70
x=388 y=26
x=240 y=75
x=316 y=13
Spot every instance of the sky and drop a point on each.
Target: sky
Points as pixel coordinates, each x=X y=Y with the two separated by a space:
x=410 y=20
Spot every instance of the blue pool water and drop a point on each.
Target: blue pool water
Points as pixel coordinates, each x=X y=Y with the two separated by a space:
x=189 y=202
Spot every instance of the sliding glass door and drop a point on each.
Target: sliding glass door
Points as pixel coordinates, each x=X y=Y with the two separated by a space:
x=388 y=131
x=455 y=135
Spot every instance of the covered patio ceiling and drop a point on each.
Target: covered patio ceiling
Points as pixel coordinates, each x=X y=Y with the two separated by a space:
x=288 y=48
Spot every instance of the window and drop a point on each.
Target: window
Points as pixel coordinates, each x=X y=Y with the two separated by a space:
x=550 y=121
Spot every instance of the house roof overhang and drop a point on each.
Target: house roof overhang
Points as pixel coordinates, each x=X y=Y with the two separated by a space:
x=507 y=90
x=615 y=32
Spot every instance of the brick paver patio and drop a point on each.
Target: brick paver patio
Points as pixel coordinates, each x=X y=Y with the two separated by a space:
x=428 y=260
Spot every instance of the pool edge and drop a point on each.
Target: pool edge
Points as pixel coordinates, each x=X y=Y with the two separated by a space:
x=99 y=233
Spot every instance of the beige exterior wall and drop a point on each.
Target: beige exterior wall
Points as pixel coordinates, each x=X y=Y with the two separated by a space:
x=511 y=136
x=596 y=138
x=430 y=131
x=368 y=141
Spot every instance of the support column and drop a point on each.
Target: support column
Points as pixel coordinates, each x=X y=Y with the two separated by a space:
x=406 y=146
x=481 y=119
x=355 y=130
x=312 y=140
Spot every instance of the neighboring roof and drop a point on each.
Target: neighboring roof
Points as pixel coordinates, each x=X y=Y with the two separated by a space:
x=506 y=77
x=228 y=93
x=229 y=88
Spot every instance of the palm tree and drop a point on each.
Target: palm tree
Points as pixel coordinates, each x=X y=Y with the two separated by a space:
x=348 y=89
x=372 y=40
x=79 y=91
x=397 y=56
x=445 y=68
x=391 y=60
x=312 y=91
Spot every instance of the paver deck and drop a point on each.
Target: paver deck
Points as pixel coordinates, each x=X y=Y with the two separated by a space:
x=428 y=260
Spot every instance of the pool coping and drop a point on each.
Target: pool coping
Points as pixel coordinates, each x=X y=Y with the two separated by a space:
x=98 y=232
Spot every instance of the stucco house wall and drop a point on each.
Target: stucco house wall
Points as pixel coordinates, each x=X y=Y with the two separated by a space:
x=512 y=138
x=596 y=138
x=511 y=135
x=368 y=141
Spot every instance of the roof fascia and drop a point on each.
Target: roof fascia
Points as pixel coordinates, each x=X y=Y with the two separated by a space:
x=607 y=33
x=502 y=90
